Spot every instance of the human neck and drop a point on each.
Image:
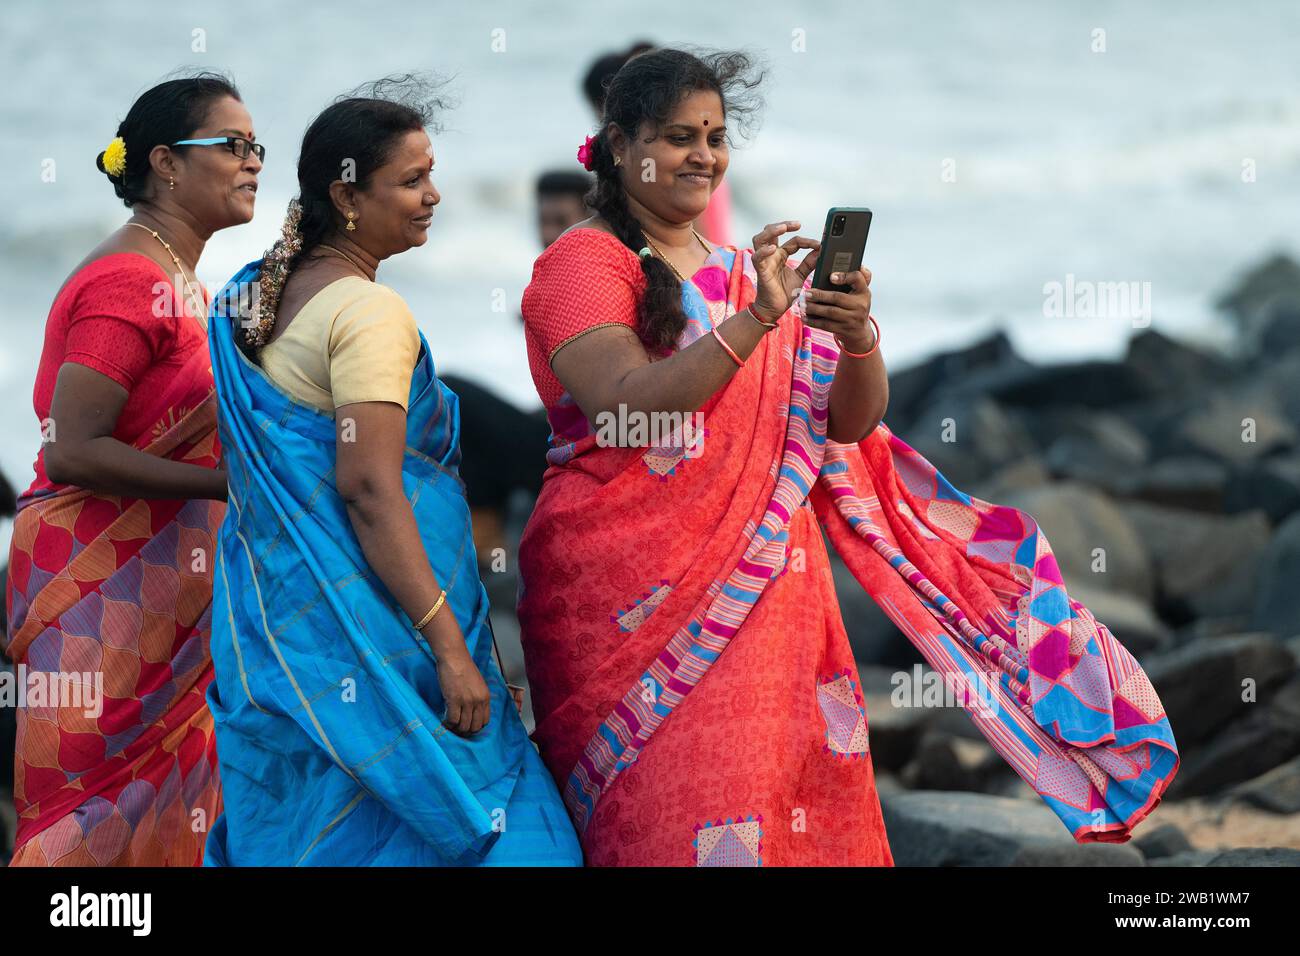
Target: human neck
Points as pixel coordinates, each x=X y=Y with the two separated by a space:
x=361 y=259
x=674 y=235
x=181 y=231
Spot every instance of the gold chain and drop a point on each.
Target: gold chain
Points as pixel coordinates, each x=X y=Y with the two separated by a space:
x=340 y=252
x=660 y=253
x=197 y=306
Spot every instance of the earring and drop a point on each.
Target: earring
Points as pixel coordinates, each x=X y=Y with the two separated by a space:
x=618 y=161
x=352 y=226
x=173 y=182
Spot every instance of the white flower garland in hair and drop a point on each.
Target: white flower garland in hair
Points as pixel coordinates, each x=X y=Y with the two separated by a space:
x=275 y=270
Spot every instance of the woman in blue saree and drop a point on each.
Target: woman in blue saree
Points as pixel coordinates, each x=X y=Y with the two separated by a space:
x=360 y=717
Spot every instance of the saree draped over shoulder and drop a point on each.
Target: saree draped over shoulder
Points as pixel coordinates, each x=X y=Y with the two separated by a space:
x=326 y=700
x=110 y=601
x=695 y=692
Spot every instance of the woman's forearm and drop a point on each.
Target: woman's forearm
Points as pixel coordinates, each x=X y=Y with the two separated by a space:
x=390 y=539
x=859 y=397
x=685 y=380
x=109 y=466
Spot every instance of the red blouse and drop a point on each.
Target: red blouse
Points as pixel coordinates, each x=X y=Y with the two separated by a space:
x=105 y=318
x=584 y=280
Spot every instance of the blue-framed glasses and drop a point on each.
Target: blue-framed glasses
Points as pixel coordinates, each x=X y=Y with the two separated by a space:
x=236 y=144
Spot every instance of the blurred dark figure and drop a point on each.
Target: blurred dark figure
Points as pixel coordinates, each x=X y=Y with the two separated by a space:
x=603 y=70
x=502 y=449
x=561 y=202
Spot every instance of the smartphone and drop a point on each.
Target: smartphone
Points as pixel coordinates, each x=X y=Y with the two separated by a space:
x=844 y=240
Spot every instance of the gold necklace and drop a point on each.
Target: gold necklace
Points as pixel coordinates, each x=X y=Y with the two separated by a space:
x=197 y=307
x=340 y=252
x=659 y=252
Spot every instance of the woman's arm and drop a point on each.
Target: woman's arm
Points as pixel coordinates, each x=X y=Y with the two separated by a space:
x=609 y=367
x=860 y=390
x=370 y=438
x=83 y=452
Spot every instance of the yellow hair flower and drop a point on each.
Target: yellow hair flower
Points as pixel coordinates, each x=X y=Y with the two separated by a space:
x=115 y=158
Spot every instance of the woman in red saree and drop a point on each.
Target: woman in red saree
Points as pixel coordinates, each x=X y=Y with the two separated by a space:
x=694 y=690
x=110 y=567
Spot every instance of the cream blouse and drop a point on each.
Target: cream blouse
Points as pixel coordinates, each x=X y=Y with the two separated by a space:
x=354 y=341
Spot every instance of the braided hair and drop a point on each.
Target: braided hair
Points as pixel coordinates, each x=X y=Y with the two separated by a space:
x=646 y=90
x=357 y=132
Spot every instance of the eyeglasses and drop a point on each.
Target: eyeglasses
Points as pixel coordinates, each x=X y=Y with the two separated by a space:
x=236 y=144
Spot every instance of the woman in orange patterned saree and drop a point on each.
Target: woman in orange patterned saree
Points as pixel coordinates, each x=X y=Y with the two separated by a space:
x=694 y=690
x=110 y=568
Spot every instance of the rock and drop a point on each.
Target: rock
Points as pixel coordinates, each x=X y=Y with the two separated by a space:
x=894 y=733
x=1162 y=842
x=945 y=762
x=1020 y=475
x=913 y=387
x=873 y=637
x=1279 y=330
x=967 y=438
x=1256 y=856
x=1276 y=608
x=1098 y=448
x=1132 y=620
x=1200 y=685
x=1175 y=367
x=1191 y=482
x=1076 y=520
x=1252 y=300
x=1080 y=854
x=941 y=828
x=1188 y=858
x=1249 y=746
x=1234 y=428
x=1277 y=791
x=1205 y=565
x=1096 y=384
x=1271 y=485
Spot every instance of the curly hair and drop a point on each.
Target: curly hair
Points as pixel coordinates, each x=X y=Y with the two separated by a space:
x=646 y=90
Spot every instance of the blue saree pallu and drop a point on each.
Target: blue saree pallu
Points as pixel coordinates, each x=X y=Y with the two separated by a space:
x=326 y=700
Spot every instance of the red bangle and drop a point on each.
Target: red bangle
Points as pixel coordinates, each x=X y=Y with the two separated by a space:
x=875 y=345
x=727 y=348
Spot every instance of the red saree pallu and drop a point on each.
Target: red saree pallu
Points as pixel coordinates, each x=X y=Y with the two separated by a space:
x=694 y=688
x=119 y=591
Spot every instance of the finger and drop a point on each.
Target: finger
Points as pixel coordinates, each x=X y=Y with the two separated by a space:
x=843 y=300
x=479 y=718
x=452 y=720
x=855 y=280
x=832 y=318
x=808 y=263
x=772 y=230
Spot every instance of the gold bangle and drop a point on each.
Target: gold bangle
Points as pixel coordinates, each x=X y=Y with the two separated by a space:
x=432 y=611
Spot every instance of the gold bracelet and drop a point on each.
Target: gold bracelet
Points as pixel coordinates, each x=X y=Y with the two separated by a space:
x=432 y=611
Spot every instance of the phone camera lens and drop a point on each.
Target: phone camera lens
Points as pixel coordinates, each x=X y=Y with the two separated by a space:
x=837 y=226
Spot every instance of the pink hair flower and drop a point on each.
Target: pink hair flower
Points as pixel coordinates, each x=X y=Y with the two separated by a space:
x=584 y=154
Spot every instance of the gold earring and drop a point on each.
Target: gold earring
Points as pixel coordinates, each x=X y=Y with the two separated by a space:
x=618 y=161
x=352 y=226
x=173 y=183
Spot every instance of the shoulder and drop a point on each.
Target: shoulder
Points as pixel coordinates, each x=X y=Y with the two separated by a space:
x=589 y=244
x=116 y=274
x=356 y=304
